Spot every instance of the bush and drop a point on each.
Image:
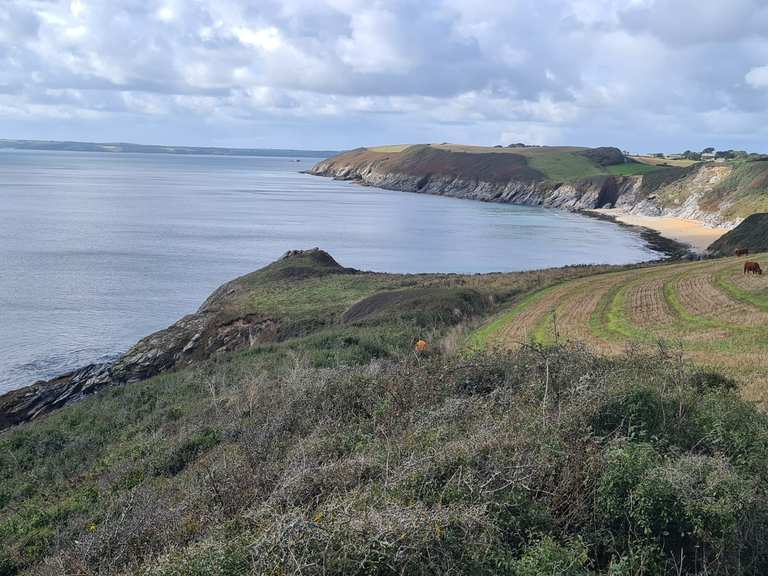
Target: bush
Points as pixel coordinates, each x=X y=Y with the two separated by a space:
x=549 y=557
x=711 y=381
x=637 y=413
x=180 y=456
x=7 y=566
x=625 y=468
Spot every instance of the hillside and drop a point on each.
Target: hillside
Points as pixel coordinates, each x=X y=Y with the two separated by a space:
x=751 y=234
x=716 y=193
x=325 y=445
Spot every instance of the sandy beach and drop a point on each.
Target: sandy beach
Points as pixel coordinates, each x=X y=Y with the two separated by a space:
x=691 y=232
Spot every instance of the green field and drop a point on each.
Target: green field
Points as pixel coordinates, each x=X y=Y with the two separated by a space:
x=565 y=166
x=632 y=169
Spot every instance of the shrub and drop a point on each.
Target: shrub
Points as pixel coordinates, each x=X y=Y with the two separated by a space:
x=180 y=456
x=694 y=507
x=545 y=461
x=549 y=557
x=624 y=470
x=709 y=381
x=637 y=413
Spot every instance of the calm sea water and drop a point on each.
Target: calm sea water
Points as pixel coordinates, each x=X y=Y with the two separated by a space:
x=98 y=250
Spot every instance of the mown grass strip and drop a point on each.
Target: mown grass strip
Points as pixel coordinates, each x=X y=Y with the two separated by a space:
x=609 y=318
x=688 y=320
x=738 y=338
x=478 y=340
x=544 y=331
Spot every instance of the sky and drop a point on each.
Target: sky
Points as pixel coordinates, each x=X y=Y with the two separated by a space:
x=643 y=75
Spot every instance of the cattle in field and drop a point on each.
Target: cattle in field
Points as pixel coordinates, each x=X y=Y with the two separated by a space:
x=752 y=268
x=742 y=252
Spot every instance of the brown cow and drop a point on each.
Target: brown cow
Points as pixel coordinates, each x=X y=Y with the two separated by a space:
x=742 y=252
x=752 y=268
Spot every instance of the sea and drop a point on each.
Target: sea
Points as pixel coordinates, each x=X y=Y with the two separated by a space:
x=98 y=250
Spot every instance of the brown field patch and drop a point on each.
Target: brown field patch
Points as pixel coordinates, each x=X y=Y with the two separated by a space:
x=749 y=282
x=518 y=330
x=652 y=161
x=646 y=306
x=698 y=294
x=577 y=308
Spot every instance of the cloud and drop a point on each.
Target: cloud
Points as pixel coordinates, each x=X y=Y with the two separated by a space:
x=343 y=73
x=758 y=77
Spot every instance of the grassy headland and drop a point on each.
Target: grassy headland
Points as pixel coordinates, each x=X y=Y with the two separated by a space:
x=554 y=163
x=334 y=449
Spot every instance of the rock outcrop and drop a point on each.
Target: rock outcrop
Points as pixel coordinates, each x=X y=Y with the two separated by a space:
x=218 y=326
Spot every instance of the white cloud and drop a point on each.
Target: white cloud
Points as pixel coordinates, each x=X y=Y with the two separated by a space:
x=374 y=46
x=758 y=77
x=267 y=39
x=77 y=7
x=634 y=73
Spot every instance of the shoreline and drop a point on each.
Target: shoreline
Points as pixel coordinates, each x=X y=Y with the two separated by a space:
x=671 y=249
x=674 y=237
x=694 y=236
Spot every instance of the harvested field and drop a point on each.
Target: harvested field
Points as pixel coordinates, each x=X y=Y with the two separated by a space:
x=652 y=161
x=570 y=318
x=749 y=282
x=645 y=304
x=708 y=310
x=703 y=299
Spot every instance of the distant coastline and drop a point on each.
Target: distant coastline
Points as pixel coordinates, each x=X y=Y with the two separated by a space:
x=126 y=147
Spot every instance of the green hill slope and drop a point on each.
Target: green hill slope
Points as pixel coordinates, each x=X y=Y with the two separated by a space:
x=552 y=163
x=333 y=449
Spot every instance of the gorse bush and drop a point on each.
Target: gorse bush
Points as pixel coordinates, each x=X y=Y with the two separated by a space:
x=545 y=461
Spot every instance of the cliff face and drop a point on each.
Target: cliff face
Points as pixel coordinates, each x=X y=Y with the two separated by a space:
x=507 y=178
x=685 y=197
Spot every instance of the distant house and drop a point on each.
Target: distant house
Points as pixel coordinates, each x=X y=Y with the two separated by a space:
x=708 y=156
x=675 y=157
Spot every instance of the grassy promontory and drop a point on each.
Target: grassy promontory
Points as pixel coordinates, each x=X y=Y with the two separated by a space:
x=334 y=449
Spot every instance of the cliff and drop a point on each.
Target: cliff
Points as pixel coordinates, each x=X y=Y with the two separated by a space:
x=567 y=178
